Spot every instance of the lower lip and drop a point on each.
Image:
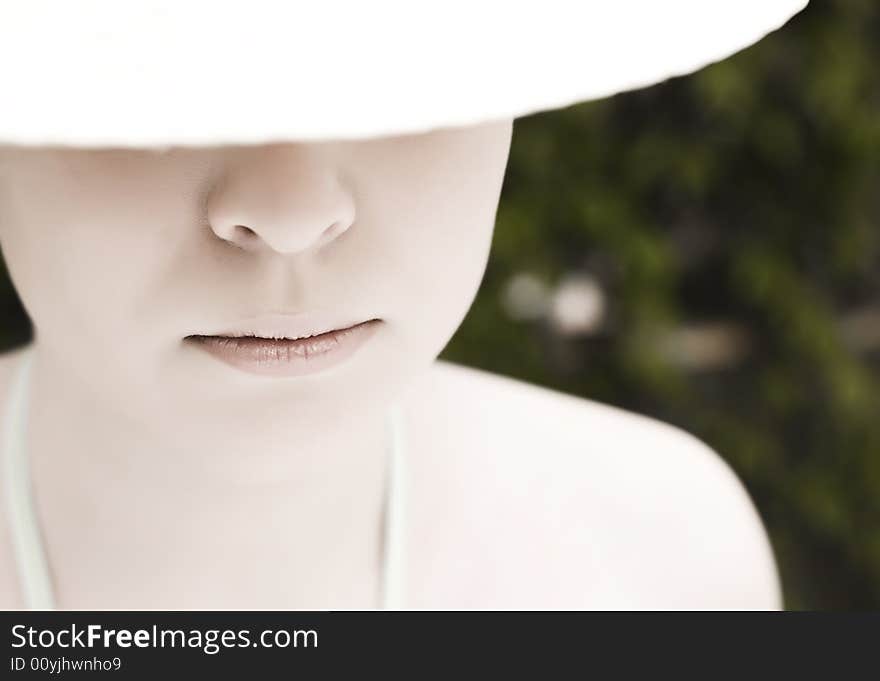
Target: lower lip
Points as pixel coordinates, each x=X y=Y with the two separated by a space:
x=269 y=357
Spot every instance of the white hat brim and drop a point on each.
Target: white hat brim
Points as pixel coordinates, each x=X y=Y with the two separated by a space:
x=134 y=73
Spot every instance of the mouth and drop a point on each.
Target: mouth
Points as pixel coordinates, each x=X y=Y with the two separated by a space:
x=287 y=326
x=249 y=335
x=274 y=353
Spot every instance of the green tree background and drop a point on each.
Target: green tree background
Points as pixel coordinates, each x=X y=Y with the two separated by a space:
x=728 y=224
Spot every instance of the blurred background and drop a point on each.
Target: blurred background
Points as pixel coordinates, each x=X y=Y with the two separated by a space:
x=707 y=251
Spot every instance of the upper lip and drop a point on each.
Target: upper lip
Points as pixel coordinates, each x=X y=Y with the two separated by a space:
x=291 y=326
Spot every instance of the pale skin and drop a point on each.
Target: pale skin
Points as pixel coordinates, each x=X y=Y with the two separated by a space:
x=166 y=480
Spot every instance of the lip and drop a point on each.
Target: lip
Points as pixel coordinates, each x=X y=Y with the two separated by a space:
x=290 y=326
x=279 y=345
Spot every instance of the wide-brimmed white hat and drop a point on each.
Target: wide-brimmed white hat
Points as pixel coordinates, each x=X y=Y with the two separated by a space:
x=145 y=73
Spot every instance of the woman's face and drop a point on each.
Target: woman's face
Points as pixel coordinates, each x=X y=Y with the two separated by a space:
x=119 y=254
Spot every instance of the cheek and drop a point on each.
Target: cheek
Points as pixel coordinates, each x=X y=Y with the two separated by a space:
x=83 y=268
x=450 y=248
x=90 y=240
x=82 y=278
x=441 y=223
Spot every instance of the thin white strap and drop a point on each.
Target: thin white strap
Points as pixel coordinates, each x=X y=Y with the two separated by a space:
x=395 y=513
x=27 y=543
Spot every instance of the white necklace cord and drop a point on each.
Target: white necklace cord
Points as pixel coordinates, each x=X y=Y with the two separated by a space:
x=28 y=545
x=393 y=534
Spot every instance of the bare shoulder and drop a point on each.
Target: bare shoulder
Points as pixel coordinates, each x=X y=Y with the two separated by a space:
x=10 y=599
x=595 y=506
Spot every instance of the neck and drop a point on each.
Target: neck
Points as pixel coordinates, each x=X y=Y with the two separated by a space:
x=193 y=491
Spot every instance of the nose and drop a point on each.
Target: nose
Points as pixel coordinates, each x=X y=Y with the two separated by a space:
x=286 y=198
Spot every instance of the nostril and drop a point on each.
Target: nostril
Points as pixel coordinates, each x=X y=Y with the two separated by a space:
x=332 y=232
x=244 y=237
x=247 y=232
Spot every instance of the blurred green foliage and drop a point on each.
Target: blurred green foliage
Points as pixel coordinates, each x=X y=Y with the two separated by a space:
x=746 y=193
